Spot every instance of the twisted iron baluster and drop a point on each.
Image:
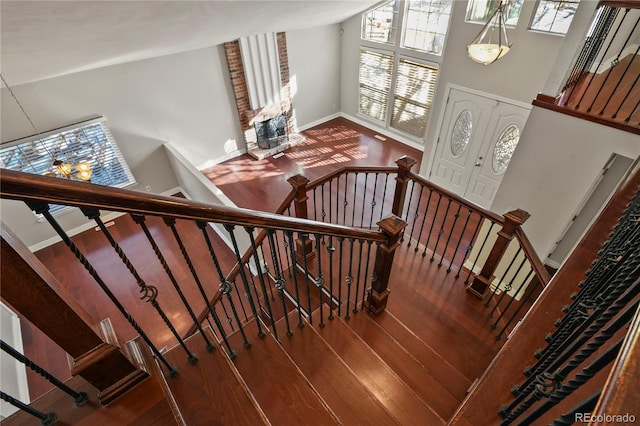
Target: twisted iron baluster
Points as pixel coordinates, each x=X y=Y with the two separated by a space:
x=355 y=297
x=406 y=213
x=43 y=209
x=280 y=284
x=433 y=222
x=345 y=203
x=486 y=237
x=320 y=280
x=523 y=303
x=340 y=255
x=364 y=198
x=171 y=223
x=148 y=293
x=315 y=206
x=225 y=286
x=261 y=275
x=464 y=229
x=424 y=219
x=349 y=278
x=295 y=276
x=586 y=406
x=79 y=398
x=563 y=391
x=509 y=285
x=46 y=419
x=140 y=220
x=355 y=194
x=373 y=199
x=331 y=249
x=415 y=218
x=453 y=225
x=441 y=231
x=504 y=311
x=303 y=237
x=243 y=277
x=366 y=273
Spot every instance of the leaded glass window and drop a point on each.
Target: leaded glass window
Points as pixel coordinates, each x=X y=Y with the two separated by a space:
x=461 y=133
x=504 y=148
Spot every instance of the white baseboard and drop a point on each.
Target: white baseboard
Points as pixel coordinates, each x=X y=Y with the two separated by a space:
x=318 y=122
x=386 y=132
x=222 y=159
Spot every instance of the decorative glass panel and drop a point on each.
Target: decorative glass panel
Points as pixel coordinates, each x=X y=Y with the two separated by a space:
x=505 y=146
x=426 y=24
x=461 y=133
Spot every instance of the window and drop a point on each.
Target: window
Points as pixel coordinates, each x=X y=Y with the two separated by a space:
x=412 y=97
x=554 y=16
x=480 y=11
x=426 y=24
x=375 y=83
x=380 y=24
x=88 y=141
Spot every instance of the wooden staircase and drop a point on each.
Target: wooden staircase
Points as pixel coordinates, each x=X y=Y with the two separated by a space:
x=353 y=372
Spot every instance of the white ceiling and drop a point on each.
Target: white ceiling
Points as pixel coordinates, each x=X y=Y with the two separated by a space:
x=43 y=39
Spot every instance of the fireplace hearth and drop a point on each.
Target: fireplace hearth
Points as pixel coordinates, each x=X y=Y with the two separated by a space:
x=272 y=132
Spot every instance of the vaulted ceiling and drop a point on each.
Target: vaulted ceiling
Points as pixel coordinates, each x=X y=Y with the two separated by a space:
x=44 y=39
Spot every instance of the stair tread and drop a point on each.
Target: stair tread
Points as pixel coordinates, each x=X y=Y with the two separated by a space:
x=416 y=375
x=376 y=375
x=284 y=394
x=440 y=368
x=209 y=392
x=334 y=381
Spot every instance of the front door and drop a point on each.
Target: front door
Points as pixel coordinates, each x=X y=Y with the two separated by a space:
x=477 y=137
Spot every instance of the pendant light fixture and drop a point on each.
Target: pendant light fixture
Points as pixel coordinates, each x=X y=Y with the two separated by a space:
x=491 y=43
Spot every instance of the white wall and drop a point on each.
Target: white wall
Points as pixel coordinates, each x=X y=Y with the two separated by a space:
x=314 y=67
x=557 y=160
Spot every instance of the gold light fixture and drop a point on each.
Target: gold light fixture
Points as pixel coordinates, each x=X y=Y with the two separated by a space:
x=63 y=168
x=84 y=171
x=491 y=43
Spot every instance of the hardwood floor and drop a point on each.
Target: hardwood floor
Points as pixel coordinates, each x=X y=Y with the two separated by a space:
x=428 y=300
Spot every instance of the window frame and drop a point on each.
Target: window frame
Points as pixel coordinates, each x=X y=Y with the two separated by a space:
x=479 y=22
x=49 y=155
x=542 y=31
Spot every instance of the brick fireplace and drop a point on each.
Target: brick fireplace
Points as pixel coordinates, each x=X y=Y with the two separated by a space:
x=248 y=116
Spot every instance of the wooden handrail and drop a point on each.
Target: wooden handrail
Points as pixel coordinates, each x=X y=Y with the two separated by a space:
x=487 y=214
x=25 y=186
x=536 y=264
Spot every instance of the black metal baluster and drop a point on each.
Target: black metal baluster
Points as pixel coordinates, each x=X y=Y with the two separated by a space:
x=364 y=198
x=355 y=297
x=433 y=222
x=171 y=223
x=79 y=398
x=280 y=284
x=506 y=308
x=424 y=219
x=586 y=406
x=341 y=241
x=149 y=293
x=323 y=213
x=464 y=231
x=373 y=199
x=406 y=213
x=252 y=285
x=243 y=277
x=384 y=195
x=467 y=250
x=226 y=314
x=504 y=275
x=276 y=268
x=330 y=201
x=349 y=278
x=366 y=273
x=225 y=286
x=140 y=220
x=287 y=255
x=315 y=205
x=415 y=219
x=624 y=73
x=486 y=237
x=278 y=258
x=523 y=303
x=355 y=193
x=453 y=225
x=441 y=230
x=303 y=237
x=562 y=391
x=43 y=209
x=320 y=279
x=46 y=419
x=331 y=249
x=295 y=276
x=345 y=203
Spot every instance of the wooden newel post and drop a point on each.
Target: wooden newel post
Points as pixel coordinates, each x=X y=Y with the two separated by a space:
x=29 y=287
x=299 y=184
x=392 y=227
x=404 y=168
x=482 y=281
